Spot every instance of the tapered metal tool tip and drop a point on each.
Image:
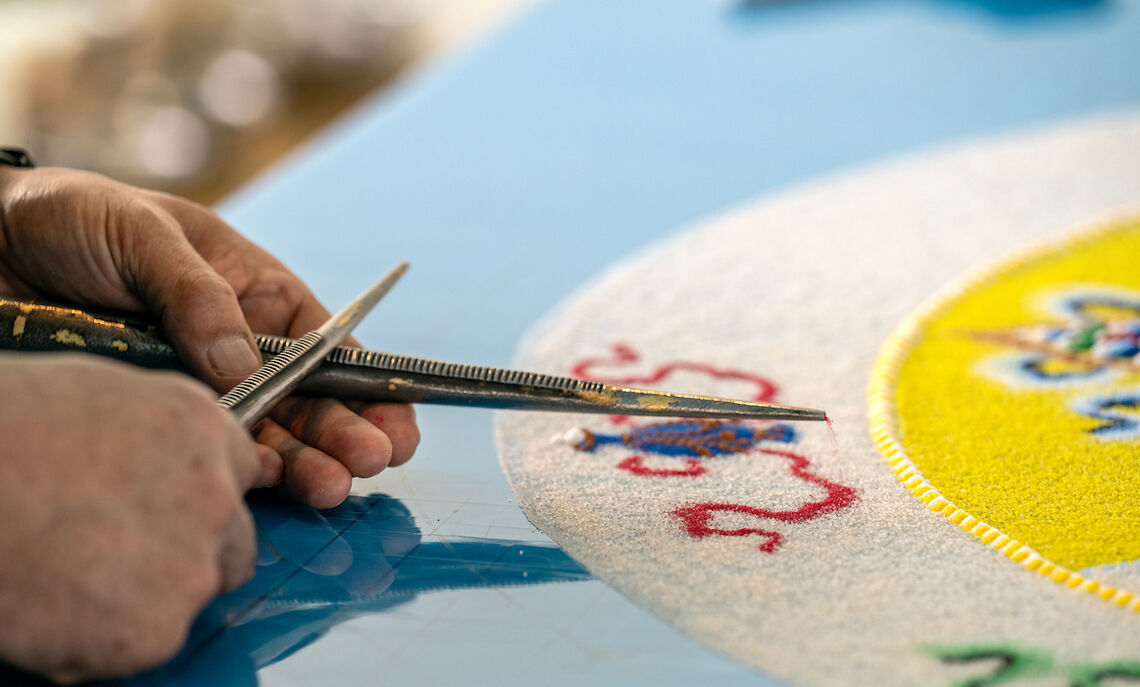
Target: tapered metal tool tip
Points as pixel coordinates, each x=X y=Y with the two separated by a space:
x=347 y=319
x=807 y=414
x=643 y=402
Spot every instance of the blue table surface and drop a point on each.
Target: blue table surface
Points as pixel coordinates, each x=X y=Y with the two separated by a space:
x=510 y=173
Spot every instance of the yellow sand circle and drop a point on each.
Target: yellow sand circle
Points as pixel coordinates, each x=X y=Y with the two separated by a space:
x=1021 y=458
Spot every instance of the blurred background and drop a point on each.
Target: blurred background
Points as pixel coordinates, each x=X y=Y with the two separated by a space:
x=196 y=96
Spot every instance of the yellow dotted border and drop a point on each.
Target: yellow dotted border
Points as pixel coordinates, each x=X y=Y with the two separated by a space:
x=884 y=425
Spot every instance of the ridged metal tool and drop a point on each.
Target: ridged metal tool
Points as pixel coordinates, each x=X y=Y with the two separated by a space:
x=359 y=374
x=252 y=399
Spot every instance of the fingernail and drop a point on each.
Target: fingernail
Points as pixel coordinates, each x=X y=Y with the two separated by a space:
x=232 y=356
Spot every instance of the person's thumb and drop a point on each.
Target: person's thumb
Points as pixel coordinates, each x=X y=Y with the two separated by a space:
x=198 y=308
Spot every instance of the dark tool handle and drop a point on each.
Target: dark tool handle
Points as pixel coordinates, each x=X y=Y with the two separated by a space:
x=33 y=327
x=40 y=327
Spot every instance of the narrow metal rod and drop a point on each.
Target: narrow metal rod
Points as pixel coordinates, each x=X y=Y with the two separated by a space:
x=252 y=399
x=374 y=376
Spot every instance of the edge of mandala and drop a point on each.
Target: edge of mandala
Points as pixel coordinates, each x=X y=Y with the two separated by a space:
x=883 y=423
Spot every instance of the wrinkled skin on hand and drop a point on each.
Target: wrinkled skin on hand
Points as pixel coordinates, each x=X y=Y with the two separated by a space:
x=118 y=528
x=121 y=490
x=81 y=238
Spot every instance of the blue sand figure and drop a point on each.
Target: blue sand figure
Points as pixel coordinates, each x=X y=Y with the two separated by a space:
x=1120 y=415
x=320 y=568
x=691 y=438
x=1036 y=367
x=1082 y=305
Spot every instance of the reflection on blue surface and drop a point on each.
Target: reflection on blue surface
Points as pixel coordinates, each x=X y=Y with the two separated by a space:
x=1003 y=9
x=1020 y=9
x=320 y=568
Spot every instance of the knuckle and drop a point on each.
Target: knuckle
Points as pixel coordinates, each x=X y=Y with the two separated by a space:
x=192 y=211
x=308 y=421
x=200 y=287
x=202 y=279
x=201 y=581
x=194 y=208
x=275 y=289
x=134 y=222
x=136 y=216
x=168 y=199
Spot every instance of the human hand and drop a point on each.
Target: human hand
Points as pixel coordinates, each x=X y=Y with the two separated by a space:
x=121 y=494
x=85 y=239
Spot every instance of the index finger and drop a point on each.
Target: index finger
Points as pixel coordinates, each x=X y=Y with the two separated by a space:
x=288 y=309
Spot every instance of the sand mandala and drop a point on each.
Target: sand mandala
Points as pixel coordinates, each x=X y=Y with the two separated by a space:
x=1007 y=404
